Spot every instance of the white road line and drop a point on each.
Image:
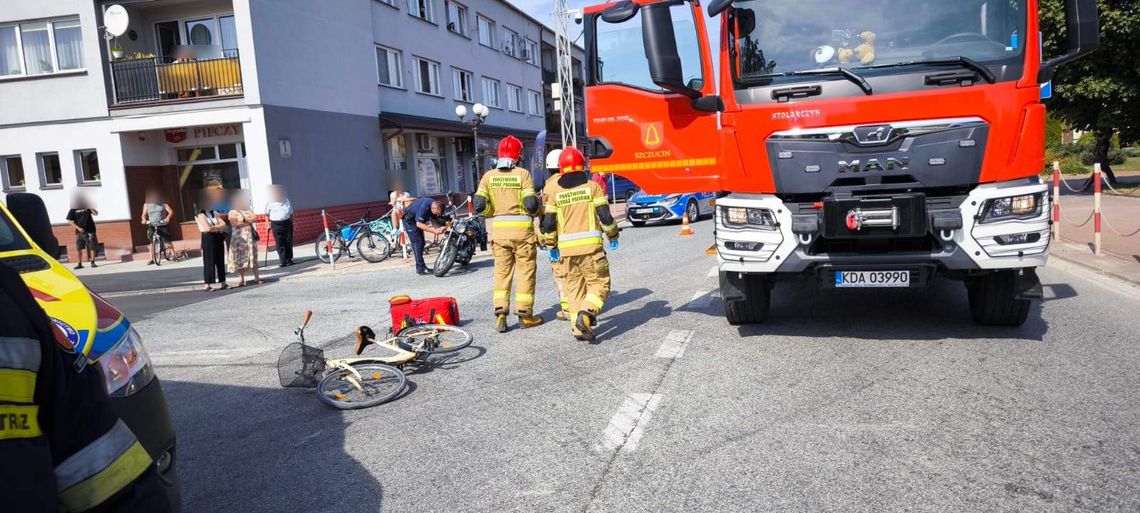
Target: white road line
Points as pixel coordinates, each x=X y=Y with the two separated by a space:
x=675 y=343
x=703 y=298
x=713 y=272
x=628 y=425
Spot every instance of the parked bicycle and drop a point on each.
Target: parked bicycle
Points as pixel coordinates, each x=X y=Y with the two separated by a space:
x=364 y=381
x=160 y=248
x=370 y=245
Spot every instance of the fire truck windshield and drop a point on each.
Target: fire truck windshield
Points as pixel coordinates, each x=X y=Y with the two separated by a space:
x=779 y=40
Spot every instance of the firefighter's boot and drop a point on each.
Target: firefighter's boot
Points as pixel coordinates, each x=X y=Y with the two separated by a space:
x=562 y=315
x=501 y=323
x=585 y=325
x=529 y=321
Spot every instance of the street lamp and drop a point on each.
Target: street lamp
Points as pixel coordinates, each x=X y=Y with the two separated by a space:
x=479 y=114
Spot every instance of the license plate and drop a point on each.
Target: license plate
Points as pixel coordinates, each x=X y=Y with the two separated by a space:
x=872 y=279
x=641 y=210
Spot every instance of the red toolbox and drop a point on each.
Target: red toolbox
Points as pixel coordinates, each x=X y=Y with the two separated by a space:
x=431 y=310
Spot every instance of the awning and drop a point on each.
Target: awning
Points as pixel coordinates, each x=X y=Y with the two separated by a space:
x=407 y=122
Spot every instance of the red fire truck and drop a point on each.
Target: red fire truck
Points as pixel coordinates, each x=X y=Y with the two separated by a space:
x=865 y=143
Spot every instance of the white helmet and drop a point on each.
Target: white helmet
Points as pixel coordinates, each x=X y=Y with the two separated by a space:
x=552 y=159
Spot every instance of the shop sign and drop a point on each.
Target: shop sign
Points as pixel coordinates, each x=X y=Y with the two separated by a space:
x=199 y=133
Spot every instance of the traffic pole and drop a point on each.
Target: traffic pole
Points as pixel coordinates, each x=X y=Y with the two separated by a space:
x=470 y=206
x=1096 y=209
x=328 y=238
x=1056 y=200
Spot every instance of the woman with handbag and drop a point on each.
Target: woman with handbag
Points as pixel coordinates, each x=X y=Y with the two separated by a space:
x=243 y=240
x=213 y=228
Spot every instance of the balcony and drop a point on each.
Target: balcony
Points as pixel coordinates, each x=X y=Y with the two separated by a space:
x=151 y=80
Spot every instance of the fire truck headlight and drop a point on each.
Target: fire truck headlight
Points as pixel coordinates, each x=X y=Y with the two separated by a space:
x=1013 y=207
x=739 y=217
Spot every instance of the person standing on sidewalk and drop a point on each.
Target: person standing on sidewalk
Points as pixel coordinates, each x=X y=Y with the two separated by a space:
x=280 y=212
x=243 y=240
x=214 y=229
x=82 y=218
x=506 y=196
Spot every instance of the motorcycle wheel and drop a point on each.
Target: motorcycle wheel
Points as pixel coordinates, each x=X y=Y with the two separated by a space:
x=446 y=259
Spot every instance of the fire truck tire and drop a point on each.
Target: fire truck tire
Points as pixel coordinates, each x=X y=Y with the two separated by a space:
x=753 y=309
x=993 y=300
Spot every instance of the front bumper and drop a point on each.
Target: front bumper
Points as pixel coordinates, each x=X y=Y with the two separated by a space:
x=652 y=212
x=972 y=247
x=146 y=413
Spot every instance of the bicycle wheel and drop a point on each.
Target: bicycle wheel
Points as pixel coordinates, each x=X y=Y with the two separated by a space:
x=157 y=250
x=322 y=247
x=378 y=383
x=373 y=247
x=444 y=338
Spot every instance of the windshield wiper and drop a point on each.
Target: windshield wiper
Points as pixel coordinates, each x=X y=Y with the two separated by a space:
x=964 y=62
x=843 y=72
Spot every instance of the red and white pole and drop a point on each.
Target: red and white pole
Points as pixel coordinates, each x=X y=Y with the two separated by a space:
x=1096 y=209
x=328 y=238
x=1056 y=200
x=470 y=206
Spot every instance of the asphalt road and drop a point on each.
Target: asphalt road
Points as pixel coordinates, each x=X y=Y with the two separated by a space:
x=878 y=401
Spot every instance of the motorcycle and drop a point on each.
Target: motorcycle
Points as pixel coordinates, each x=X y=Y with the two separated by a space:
x=459 y=242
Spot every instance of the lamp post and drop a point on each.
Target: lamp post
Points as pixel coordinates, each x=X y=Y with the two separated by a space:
x=479 y=114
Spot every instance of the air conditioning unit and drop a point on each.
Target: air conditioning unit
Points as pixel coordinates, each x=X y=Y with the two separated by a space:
x=425 y=143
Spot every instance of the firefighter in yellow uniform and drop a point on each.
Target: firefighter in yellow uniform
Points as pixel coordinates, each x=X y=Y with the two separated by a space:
x=576 y=215
x=62 y=447
x=506 y=196
x=558 y=270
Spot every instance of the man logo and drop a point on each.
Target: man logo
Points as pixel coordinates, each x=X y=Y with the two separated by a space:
x=651 y=134
x=873 y=134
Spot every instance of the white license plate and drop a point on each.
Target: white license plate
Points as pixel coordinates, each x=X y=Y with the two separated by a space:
x=641 y=210
x=871 y=279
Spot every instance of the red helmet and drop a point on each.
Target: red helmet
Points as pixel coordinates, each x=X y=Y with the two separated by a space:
x=510 y=151
x=571 y=161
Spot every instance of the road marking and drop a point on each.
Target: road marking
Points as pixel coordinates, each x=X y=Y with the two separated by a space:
x=703 y=299
x=713 y=272
x=628 y=425
x=675 y=343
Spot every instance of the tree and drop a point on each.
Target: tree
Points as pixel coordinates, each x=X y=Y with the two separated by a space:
x=1099 y=92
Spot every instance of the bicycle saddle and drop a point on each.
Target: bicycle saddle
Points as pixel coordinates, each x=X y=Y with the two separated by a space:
x=364 y=337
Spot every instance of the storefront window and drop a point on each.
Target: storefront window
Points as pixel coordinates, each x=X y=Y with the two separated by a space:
x=200 y=168
x=429 y=164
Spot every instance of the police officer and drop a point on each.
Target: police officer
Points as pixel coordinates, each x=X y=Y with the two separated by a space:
x=62 y=448
x=558 y=270
x=576 y=215
x=506 y=196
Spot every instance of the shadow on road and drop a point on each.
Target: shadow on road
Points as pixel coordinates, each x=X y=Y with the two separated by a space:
x=283 y=452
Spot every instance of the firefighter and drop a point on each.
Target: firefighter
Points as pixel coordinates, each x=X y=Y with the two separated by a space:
x=506 y=196
x=576 y=215
x=556 y=267
x=62 y=446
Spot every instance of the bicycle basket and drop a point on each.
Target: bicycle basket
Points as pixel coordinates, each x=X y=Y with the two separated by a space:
x=299 y=365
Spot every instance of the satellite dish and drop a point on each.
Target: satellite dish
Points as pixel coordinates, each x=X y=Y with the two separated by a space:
x=115 y=20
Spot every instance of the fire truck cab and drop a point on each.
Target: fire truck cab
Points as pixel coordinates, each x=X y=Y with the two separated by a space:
x=869 y=143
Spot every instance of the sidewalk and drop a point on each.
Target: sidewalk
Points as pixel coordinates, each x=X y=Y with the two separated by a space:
x=1120 y=239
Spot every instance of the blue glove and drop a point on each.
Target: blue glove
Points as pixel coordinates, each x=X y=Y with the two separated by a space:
x=554 y=254
x=613 y=244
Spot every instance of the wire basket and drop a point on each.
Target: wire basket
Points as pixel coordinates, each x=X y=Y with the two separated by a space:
x=300 y=365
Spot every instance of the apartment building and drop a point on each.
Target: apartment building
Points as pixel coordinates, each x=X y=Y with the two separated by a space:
x=337 y=101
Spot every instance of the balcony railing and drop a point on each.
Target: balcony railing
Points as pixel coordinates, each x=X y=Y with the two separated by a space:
x=152 y=80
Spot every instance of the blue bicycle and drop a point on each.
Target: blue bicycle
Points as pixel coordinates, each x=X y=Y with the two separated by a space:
x=372 y=244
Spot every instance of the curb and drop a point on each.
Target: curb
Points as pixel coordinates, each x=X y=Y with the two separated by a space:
x=1083 y=263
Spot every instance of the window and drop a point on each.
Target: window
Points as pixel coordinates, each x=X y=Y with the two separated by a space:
x=41 y=47
x=87 y=166
x=491 y=92
x=456 y=17
x=511 y=42
x=228 y=33
x=534 y=99
x=51 y=175
x=462 y=82
x=486 y=29
x=427 y=76
x=12 y=173
x=388 y=67
x=514 y=98
x=621 y=51
x=421 y=9
x=389 y=2
x=530 y=53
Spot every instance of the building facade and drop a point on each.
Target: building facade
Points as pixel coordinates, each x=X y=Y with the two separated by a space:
x=340 y=102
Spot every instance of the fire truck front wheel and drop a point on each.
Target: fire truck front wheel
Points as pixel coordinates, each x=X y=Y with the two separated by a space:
x=994 y=299
x=745 y=297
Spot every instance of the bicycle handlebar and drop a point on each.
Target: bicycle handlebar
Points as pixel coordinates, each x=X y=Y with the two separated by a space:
x=308 y=315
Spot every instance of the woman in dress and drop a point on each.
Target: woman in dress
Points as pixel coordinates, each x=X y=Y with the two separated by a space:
x=243 y=241
x=213 y=229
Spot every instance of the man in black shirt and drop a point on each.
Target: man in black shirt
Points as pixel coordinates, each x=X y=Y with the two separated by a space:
x=418 y=218
x=82 y=218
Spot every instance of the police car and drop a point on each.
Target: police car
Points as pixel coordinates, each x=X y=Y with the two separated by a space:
x=643 y=207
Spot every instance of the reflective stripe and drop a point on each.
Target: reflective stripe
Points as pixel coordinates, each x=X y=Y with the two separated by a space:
x=17 y=385
x=114 y=477
x=481 y=193
x=19 y=421
x=512 y=224
x=502 y=294
x=580 y=235
x=511 y=218
x=524 y=298
x=527 y=192
x=97 y=456
x=580 y=242
x=601 y=200
x=20 y=353
x=595 y=300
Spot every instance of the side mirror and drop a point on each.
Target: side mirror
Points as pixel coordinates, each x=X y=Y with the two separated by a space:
x=1082 y=23
x=30 y=212
x=661 y=50
x=620 y=12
